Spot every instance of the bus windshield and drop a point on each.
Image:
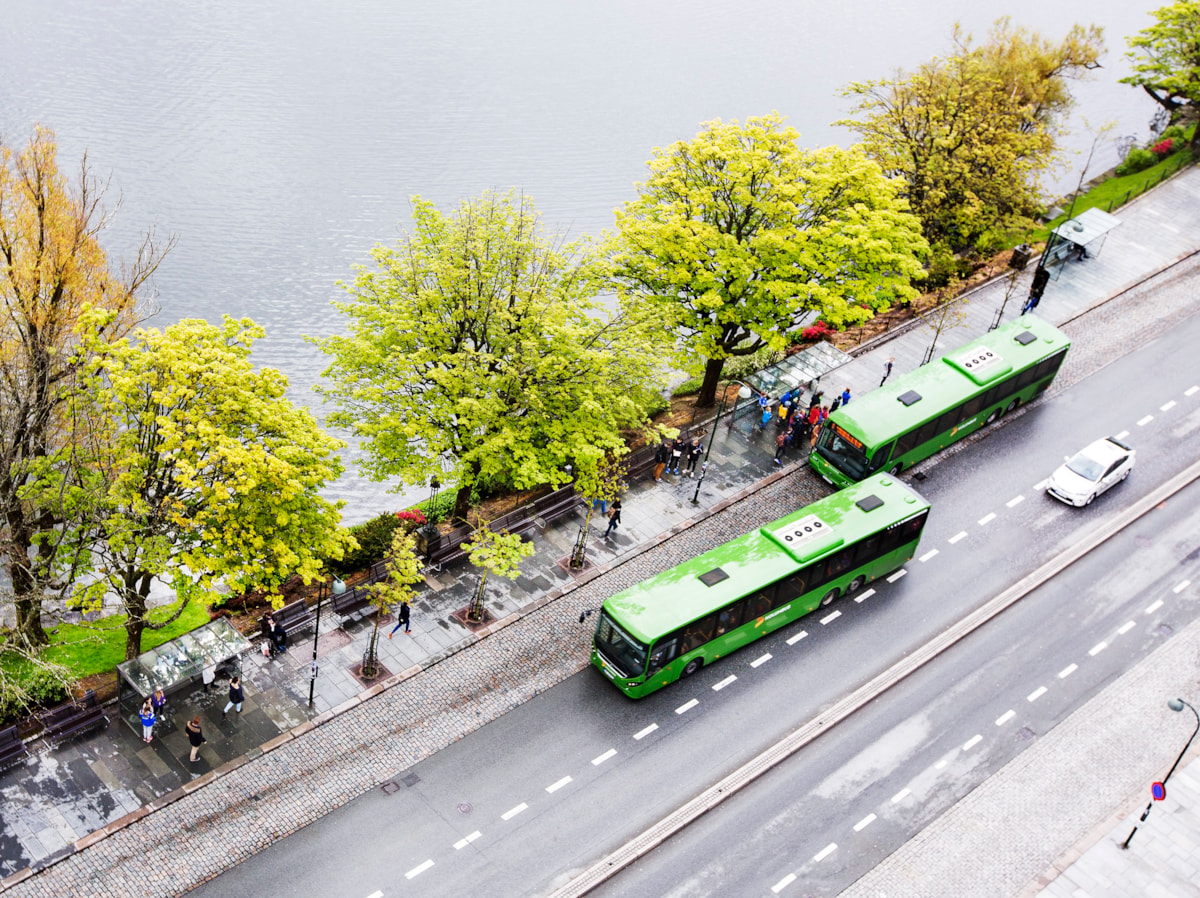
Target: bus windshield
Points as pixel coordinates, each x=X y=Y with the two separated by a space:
x=844 y=456
x=623 y=651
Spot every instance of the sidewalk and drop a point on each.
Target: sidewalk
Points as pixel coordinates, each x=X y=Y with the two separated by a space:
x=121 y=799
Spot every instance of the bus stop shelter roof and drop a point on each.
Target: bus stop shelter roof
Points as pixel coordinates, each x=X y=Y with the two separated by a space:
x=177 y=661
x=799 y=369
x=1086 y=227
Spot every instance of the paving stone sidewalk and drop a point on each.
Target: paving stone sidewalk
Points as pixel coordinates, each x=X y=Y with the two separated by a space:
x=283 y=764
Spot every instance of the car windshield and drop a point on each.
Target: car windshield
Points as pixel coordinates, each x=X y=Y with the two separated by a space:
x=624 y=652
x=1085 y=466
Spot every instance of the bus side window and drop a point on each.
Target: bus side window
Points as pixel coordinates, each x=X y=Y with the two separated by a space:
x=730 y=617
x=867 y=550
x=839 y=563
x=882 y=454
x=906 y=442
x=759 y=603
x=696 y=634
x=664 y=652
x=791 y=587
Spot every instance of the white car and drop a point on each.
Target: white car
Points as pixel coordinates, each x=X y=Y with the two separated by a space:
x=1091 y=471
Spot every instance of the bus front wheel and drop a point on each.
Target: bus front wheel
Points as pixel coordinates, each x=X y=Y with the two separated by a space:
x=828 y=598
x=991 y=419
x=855 y=585
x=895 y=469
x=692 y=666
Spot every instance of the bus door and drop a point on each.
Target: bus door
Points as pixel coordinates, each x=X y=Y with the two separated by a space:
x=881 y=456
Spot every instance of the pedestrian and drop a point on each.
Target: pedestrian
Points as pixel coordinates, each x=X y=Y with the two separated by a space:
x=781 y=442
x=403 y=613
x=158 y=701
x=148 y=719
x=846 y=396
x=236 y=696
x=887 y=369
x=208 y=676
x=278 y=636
x=815 y=400
x=822 y=414
x=676 y=455
x=195 y=737
x=695 y=450
x=267 y=626
x=661 y=457
x=614 y=517
x=833 y=406
x=600 y=505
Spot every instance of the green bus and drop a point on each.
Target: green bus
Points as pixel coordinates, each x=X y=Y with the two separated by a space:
x=667 y=627
x=903 y=422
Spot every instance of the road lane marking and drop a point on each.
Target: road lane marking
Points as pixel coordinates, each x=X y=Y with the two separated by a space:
x=896 y=576
x=794 y=639
x=687 y=706
x=1144 y=421
x=717 y=687
x=376 y=894
x=1036 y=694
x=1005 y=717
x=783 y=883
x=901 y=795
x=830 y=617
x=600 y=759
x=972 y=742
x=1126 y=627
x=419 y=869
x=642 y=734
x=962 y=534
x=864 y=823
x=987 y=519
x=761 y=659
x=1190 y=390
x=512 y=812
x=466 y=840
x=1166 y=408
x=940 y=764
x=1122 y=435
x=1040 y=485
x=1014 y=502
x=1181 y=587
x=825 y=852
x=1097 y=649
x=554 y=787
x=928 y=555
x=864 y=595
x=1154 y=607
x=1067 y=671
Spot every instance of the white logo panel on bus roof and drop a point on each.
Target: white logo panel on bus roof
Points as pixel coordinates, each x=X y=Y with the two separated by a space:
x=980 y=359
x=802 y=531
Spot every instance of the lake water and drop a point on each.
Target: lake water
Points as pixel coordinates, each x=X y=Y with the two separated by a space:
x=281 y=140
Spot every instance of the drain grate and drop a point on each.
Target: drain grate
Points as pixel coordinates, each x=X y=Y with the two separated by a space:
x=465 y=808
x=390 y=787
x=1025 y=734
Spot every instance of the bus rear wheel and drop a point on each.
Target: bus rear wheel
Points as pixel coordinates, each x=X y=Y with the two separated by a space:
x=855 y=585
x=692 y=666
x=828 y=598
x=1011 y=406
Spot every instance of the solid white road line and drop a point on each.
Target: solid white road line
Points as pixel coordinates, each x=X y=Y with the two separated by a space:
x=825 y=852
x=466 y=840
x=896 y=576
x=1144 y=421
x=554 y=787
x=987 y=519
x=1005 y=718
x=1126 y=627
x=1015 y=501
x=783 y=883
x=717 y=687
x=642 y=734
x=1097 y=649
x=1036 y=694
x=1181 y=587
x=512 y=812
x=687 y=706
x=1067 y=671
x=418 y=870
x=962 y=534
x=901 y=795
x=761 y=659
x=972 y=742
x=864 y=595
x=1166 y=408
x=1154 y=607
x=794 y=639
x=830 y=617
x=864 y=823
x=928 y=555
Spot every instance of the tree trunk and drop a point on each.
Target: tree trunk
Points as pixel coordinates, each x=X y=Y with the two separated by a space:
x=27 y=599
x=135 y=599
x=462 y=503
x=712 y=377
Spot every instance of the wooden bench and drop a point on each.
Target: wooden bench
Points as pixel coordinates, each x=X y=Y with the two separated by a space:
x=12 y=748
x=555 y=505
x=352 y=601
x=293 y=618
x=640 y=462
x=518 y=521
x=71 y=719
x=448 y=547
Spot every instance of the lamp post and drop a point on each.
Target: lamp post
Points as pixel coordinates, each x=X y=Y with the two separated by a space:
x=338 y=588
x=434 y=486
x=703 y=470
x=1175 y=704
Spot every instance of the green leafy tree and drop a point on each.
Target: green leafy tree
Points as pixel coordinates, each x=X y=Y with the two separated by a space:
x=197 y=472
x=738 y=235
x=495 y=553
x=404 y=572
x=600 y=482
x=52 y=267
x=970 y=134
x=476 y=347
x=1166 y=61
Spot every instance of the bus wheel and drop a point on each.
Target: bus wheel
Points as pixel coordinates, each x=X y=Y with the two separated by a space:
x=692 y=666
x=828 y=598
x=991 y=419
x=895 y=469
x=1012 y=405
x=855 y=585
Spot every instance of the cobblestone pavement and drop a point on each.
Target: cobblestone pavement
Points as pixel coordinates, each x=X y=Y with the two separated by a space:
x=106 y=816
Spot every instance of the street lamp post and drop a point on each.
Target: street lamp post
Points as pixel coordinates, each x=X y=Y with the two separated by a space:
x=1175 y=704
x=338 y=588
x=703 y=469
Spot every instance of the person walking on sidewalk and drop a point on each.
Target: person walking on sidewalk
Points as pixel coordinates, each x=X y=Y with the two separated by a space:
x=781 y=442
x=195 y=737
x=614 y=517
x=661 y=457
x=402 y=616
x=846 y=396
x=236 y=696
x=148 y=719
x=887 y=369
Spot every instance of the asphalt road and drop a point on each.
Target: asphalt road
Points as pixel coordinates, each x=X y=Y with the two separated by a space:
x=520 y=804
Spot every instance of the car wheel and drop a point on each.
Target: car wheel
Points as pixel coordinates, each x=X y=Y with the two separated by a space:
x=1090 y=499
x=828 y=598
x=855 y=585
x=1126 y=473
x=692 y=666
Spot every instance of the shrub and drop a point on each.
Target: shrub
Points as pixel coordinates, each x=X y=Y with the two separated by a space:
x=818 y=331
x=1138 y=160
x=40 y=686
x=1175 y=132
x=374 y=539
x=1163 y=148
x=410 y=519
x=689 y=387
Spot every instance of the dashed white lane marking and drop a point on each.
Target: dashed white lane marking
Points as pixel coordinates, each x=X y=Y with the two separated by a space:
x=1097 y=649
x=1154 y=607
x=940 y=764
x=825 y=852
x=1014 y=502
x=1126 y=627
x=783 y=883
x=761 y=659
x=901 y=795
x=962 y=534
x=418 y=870
x=896 y=576
x=1181 y=587
x=687 y=706
x=864 y=823
x=1036 y=694
x=1144 y=421
x=554 y=787
x=864 y=595
x=1190 y=390
x=1040 y=485
x=830 y=617
x=1067 y=671
x=792 y=640
x=597 y=761
x=987 y=519
x=642 y=734
x=1122 y=434
x=717 y=687
x=928 y=555
x=972 y=742
x=512 y=812
x=1166 y=408
x=376 y=894
x=466 y=840
x=1005 y=717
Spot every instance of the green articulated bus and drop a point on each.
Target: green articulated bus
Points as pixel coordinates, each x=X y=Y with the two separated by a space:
x=667 y=627
x=916 y=415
